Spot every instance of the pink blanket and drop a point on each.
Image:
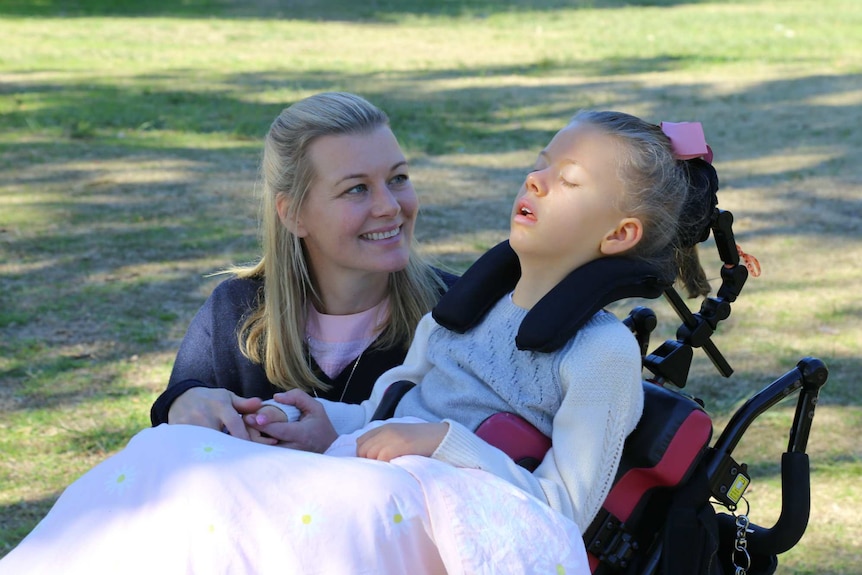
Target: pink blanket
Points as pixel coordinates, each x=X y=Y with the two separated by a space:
x=183 y=499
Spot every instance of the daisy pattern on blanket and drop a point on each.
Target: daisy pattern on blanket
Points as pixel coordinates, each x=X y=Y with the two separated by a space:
x=311 y=519
x=120 y=480
x=208 y=451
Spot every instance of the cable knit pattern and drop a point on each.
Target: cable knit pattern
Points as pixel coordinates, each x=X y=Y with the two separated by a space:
x=597 y=373
x=480 y=373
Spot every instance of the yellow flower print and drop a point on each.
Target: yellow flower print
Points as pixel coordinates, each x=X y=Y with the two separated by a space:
x=311 y=519
x=398 y=523
x=120 y=480
x=208 y=451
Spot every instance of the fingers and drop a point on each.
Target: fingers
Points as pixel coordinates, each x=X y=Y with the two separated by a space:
x=392 y=440
x=299 y=399
x=245 y=405
x=366 y=447
x=234 y=424
x=311 y=433
x=199 y=406
x=257 y=437
x=266 y=415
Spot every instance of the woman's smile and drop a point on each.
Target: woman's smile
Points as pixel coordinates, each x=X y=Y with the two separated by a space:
x=382 y=235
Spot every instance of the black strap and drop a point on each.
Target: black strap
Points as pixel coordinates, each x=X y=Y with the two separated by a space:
x=556 y=318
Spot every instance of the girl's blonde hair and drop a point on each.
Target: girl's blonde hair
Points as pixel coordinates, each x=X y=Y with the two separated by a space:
x=658 y=188
x=273 y=334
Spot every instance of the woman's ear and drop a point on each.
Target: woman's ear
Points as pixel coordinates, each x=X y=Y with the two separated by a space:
x=293 y=224
x=623 y=237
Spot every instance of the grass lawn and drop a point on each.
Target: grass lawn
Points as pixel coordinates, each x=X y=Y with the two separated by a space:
x=130 y=135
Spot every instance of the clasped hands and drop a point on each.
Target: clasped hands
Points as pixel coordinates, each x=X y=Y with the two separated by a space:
x=247 y=418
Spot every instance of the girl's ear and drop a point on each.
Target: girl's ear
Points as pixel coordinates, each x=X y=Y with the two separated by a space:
x=623 y=237
x=293 y=224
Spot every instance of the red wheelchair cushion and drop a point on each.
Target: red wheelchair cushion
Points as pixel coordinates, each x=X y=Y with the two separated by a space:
x=517 y=438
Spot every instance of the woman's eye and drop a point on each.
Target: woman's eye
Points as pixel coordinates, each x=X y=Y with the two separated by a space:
x=358 y=189
x=399 y=180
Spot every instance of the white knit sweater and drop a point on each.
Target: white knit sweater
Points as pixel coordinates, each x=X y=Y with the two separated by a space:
x=587 y=396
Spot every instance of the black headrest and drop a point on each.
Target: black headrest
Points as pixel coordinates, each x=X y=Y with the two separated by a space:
x=556 y=318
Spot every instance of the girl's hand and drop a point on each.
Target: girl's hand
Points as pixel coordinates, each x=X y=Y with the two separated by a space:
x=392 y=440
x=313 y=432
x=265 y=415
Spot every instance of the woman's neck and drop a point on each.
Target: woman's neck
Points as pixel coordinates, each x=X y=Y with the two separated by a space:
x=354 y=295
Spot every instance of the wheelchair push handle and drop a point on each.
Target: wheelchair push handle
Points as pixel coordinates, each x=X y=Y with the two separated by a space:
x=791 y=523
x=814 y=375
x=808 y=377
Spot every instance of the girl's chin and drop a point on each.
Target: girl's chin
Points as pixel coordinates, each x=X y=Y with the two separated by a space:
x=516 y=240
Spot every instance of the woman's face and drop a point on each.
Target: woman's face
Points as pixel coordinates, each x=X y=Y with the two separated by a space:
x=359 y=213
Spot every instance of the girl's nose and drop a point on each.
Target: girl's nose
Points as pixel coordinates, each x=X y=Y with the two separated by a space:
x=535 y=183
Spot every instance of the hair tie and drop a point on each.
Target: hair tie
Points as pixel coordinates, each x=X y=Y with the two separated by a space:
x=687 y=140
x=749 y=261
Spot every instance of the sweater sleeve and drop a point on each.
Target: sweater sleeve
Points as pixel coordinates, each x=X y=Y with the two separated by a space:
x=600 y=372
x=209 y=355
x=193 y=364
x=347 y=418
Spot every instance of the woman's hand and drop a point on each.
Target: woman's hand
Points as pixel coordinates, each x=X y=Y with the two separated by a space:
x=313 y=432
x=215 y=408
x=392 y=440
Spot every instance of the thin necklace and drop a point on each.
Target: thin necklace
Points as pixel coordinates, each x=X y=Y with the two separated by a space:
x=349 y=377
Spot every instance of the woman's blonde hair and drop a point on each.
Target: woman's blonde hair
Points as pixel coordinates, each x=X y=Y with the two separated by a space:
x=273 y=334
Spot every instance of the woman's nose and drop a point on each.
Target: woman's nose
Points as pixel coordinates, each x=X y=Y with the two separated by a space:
x=385 y=203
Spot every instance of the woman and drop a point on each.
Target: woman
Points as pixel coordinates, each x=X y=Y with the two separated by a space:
x=335 y=299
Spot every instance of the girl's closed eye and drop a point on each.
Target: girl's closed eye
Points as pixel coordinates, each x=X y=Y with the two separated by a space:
x=569 y=177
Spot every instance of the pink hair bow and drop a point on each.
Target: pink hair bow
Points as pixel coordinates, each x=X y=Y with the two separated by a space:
x=687 y=140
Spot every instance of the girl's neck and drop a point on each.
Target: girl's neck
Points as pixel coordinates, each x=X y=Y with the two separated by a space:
x=533 y=286
x=537 y=279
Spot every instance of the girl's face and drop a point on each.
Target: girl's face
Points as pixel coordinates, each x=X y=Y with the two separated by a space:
x=567 y=207
x=359 y=213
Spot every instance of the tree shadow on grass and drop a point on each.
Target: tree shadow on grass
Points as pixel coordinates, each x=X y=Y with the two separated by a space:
x=83 y=270
x=18 y=519
x=314 y=10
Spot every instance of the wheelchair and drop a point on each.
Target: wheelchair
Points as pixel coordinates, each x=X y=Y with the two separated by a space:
x=663 y=514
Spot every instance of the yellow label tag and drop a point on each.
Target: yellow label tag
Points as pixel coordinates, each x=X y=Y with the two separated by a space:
x=740 y=484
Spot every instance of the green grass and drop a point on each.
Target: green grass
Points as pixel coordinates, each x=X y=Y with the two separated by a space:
x=129 y=141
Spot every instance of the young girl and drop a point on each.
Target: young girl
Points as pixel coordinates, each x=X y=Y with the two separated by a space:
x=425 y=494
